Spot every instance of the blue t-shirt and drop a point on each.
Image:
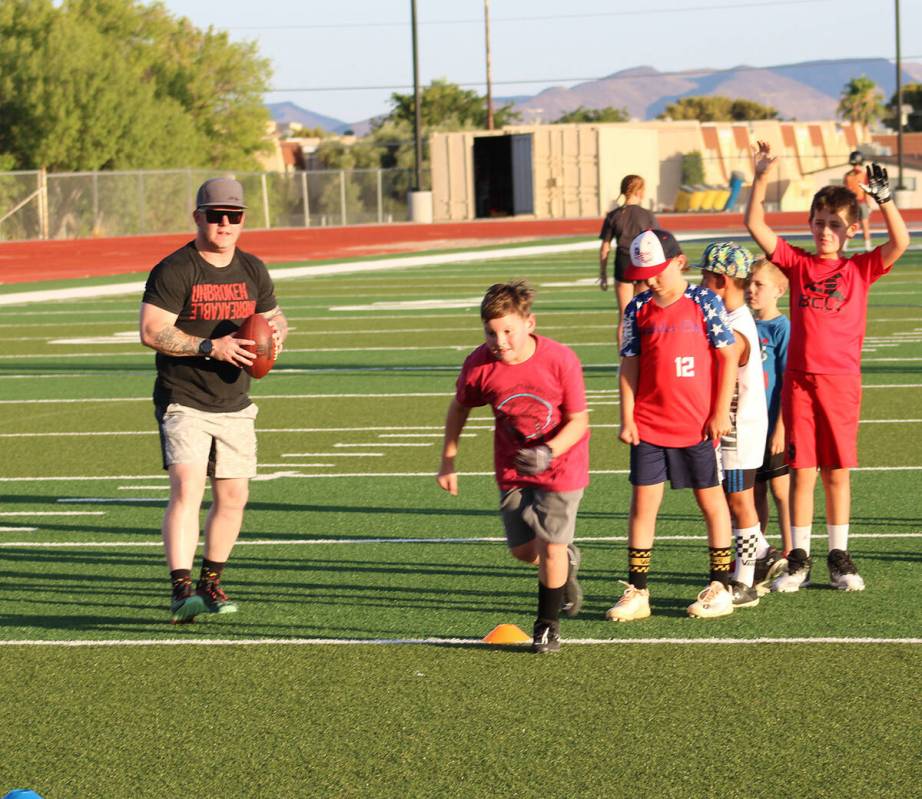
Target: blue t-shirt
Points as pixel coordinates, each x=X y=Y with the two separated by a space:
x=774 y=336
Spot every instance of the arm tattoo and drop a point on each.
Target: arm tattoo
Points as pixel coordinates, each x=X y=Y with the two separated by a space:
x=172 y=341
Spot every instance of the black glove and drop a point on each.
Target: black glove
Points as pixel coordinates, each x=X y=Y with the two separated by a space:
x=878 y=185
x=534 y=460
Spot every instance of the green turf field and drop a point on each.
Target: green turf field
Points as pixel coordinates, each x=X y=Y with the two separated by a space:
x=352 y=668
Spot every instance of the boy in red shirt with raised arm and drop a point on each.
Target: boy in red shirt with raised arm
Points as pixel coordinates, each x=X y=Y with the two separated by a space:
x=540 y=445
x=821 y=394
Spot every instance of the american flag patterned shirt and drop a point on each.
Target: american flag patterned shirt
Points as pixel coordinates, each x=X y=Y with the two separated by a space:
x=677 y=378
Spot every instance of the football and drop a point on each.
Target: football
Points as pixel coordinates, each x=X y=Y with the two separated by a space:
x=256 y=328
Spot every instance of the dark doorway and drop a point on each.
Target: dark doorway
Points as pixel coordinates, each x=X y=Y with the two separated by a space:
x=503 y=176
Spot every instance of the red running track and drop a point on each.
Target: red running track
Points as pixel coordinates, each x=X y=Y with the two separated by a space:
x=29 y=261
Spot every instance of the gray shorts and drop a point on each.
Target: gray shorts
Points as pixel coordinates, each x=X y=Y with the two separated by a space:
x=226 y=442
x=864 y=210
x=529 y=512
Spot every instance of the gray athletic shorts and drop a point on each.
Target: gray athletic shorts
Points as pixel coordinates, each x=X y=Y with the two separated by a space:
x=864 y=210
x=226 y=442
x=529 y=512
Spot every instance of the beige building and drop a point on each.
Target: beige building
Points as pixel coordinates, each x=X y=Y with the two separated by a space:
x=559 y=171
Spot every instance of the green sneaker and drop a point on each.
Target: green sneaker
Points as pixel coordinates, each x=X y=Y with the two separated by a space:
x=183 y=610
x=213 y=599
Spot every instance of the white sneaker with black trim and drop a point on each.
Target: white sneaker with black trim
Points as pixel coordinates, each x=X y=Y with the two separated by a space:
x=713 y=602
x=797 y=575
x=842 y=572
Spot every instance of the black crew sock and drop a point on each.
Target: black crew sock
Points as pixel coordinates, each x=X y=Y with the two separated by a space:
x=211 y=572
x=182 y=582
x=638 y=566
x=549 y=601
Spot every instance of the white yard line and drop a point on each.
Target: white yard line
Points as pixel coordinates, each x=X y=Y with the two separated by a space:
x=427 y=474
x=434 y=641
x=420 y=394
x=308 y=542
x=54 y=513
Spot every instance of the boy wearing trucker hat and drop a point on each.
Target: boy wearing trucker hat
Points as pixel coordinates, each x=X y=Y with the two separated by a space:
x=678 y=372
x=726 y=269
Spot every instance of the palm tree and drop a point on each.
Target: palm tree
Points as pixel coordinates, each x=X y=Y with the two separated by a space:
x=861 y=101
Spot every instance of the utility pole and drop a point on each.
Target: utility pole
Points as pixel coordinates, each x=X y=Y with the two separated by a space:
x=417 y=134
x=486 y=26
x=899 y=104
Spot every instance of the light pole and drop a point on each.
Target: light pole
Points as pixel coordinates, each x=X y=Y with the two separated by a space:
x=417 y=136
x=486 y=27
x=899 y=104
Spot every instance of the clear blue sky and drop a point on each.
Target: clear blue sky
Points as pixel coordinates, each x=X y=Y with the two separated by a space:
x=537 y=43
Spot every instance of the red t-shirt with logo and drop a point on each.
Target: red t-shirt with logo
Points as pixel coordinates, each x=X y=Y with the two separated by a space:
x=829 y=305
x=529 y=402
x=677 y=379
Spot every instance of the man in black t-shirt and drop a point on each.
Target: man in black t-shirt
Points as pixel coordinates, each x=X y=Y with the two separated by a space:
x=194 y=301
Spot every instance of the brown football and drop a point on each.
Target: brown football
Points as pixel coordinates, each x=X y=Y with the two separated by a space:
x=256 y=328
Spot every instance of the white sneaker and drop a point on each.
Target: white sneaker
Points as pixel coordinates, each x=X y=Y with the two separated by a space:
x=712 y=602
x=797 y=575
x=633 y=605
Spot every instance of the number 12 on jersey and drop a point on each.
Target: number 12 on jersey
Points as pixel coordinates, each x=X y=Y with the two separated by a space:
x=685 y=366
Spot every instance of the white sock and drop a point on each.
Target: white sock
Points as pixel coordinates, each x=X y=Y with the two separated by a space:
x=762 y=546
x=800 y=537
x=746 y=543
x=867 y=245
x=838 y=536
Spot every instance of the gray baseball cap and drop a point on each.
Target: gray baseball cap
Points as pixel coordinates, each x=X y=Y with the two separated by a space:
x=220 y=193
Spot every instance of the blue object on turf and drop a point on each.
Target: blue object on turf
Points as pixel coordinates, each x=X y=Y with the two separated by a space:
x=22 y=793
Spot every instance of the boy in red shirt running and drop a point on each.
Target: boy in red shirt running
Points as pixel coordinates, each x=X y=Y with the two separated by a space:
x=541 y=445
x=821 y=394
x=678 y=373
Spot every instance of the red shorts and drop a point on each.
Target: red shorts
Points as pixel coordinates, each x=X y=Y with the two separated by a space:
x=821 y=419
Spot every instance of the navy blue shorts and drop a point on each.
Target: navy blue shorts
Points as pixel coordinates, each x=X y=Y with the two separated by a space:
x=697 y=466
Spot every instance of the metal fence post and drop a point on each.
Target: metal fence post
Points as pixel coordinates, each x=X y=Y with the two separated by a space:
x=43 y=203
x=95 y=203
x=342 y=196
x=306 y=201
x=265 y=188
x=140 y=202
x=380 y=202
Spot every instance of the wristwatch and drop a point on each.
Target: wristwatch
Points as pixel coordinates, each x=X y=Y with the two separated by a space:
x=206 y=345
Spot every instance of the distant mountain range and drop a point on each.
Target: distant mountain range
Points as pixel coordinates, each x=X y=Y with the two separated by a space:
x=808 y=90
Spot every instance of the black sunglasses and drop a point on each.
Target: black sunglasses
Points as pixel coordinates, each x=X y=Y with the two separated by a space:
x=215 y=215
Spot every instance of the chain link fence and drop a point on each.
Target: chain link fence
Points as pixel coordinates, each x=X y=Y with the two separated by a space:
x=39 y=205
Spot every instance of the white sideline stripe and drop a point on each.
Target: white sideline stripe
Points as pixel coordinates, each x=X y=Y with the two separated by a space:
x=339 y=268
x=77 y=478
x=18 y=529
x=359 y=541
x=261 y=397
x=374 y=444
x=126 y=642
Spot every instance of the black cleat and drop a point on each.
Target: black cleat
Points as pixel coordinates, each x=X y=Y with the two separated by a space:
x=546 y=637
x=572 y=591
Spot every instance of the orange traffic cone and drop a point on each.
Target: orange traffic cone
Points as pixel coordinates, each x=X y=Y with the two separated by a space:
x=507 y=634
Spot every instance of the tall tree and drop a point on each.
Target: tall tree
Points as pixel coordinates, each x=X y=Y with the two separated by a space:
x=607 y=114
x=106 y=84
x=912 y=96
x=446 y=106
x=861 y=101
x=714 y=108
